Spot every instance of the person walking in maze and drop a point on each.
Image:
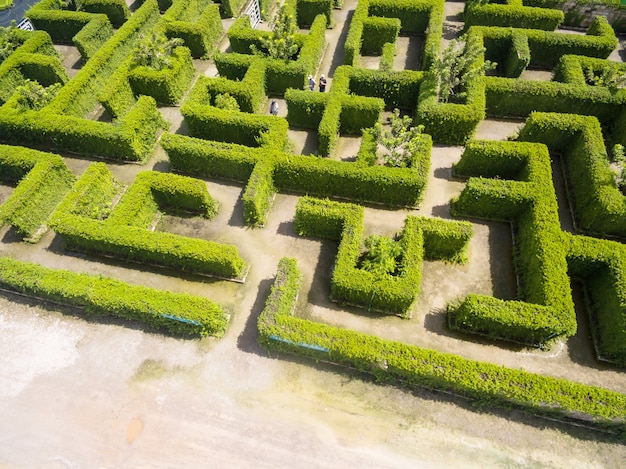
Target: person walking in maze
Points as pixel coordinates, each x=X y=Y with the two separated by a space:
x=311 y=83
x=322 y=84
x=274 y=108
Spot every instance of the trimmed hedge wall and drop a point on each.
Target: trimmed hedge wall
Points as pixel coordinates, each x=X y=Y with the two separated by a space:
x=153 y=192
x=211 y=123
x=249 y=91
x=512 y=14
x=397 y=187
x=41 y=179
x=378 y=31
x=413 y=366
x=166 y=86
x=390 y=294
x=598 y=205
x=132 y=139
x=416 y=17
x=124 y=235
x=93 y=36
x=568 y=93
x=530 y=204
x=197 y=22
x=547 y=47
x=601 y=266
x=36 y=58
x=177 y=313
x=281 y=74
x=307 y=11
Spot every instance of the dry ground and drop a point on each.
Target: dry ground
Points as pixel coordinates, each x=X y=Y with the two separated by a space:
x=77 y=392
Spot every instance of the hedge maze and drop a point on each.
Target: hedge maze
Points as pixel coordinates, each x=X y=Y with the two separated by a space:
x=576 y=118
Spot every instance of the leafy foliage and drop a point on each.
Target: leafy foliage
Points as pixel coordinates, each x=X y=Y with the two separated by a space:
x=9 y=40
x=610 y=77
x=33 y=96
x=226 y=101
x=382 y=255
x=401 y=141
x=155 y=51
x=457 y=66
x=282 y=44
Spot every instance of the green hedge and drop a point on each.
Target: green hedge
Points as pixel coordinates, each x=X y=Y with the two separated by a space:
x=398 y=89
x=131 y=139
x=249 y=91
x=92 y=195
x=139 y=245
x=257 y=197
x=152 y=192
x=80 y=96
x=197 y=22
x=231 y=8
x=445 y=240
x=413 y=366
x=385 y=293
x=115 y=237
x=387 y=57
x=176 y=313
x=351 y=285
x=598 y=205
x=518 y=57
x=116 y=10
x=206 y=159
x=166 y=86
x=378 y=31
x=232 y=66
x=547 y=47
x=601 y=266
x=93 y=36
x=41 y=180
x=36 y=58
x=530 y=204
x=305 y=109
x=396 y=187
x=416 y=17
x=358 y=113
x=512 y=14
x=509 y=97
x=211 y=123
x=307 y=10
x=302 y=174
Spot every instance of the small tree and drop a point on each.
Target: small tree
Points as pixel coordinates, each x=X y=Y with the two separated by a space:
x=282 y=44
x=33 y=96
x=155 y=51
x=9 y=40
x=382 y=255
x=402 y=141
x=456 y=67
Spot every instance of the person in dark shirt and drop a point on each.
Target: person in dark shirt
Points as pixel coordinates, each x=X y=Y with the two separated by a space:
x=322 y=83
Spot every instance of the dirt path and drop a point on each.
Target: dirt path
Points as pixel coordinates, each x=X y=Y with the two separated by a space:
x=77 y=393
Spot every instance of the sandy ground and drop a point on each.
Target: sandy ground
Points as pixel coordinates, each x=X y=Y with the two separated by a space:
x=77 y=392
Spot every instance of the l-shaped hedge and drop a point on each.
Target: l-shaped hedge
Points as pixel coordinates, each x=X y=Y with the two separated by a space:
x=125 y=234
x=413 y=366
